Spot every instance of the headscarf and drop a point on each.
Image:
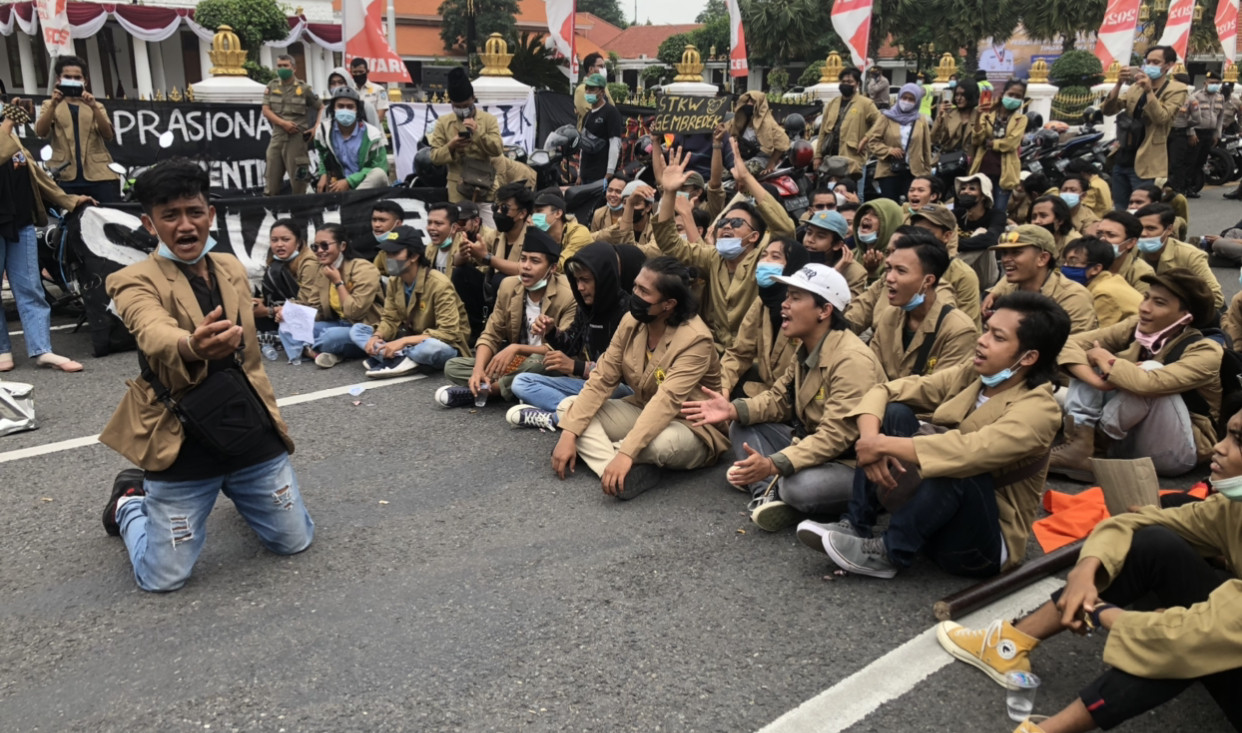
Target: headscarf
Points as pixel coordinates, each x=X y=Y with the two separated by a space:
x=895 y=114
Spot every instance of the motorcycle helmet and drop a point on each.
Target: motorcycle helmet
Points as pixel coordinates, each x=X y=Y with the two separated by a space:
x=795 y=126
x=428 y=173
x=346 y=92
x=1034 y=120
x=1047 y=138
x=643 y=147
x=562 y=140
x=802 y=154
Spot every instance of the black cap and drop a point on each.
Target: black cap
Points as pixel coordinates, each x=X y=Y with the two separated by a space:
x=467 y=210
x=550 y=198
x=537 y=240
x=401 y=238
x=458 y=84
x=1195 y=294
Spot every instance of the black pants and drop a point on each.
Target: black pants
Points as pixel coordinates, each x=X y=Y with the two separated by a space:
x=1162 y=563
x=105 y=192
x=895 y=186
x=1181 y=161
x=1207 y=141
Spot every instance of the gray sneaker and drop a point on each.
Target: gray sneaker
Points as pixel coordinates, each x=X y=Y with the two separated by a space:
x=859 y=556
x=812 y=533
x=771 y=514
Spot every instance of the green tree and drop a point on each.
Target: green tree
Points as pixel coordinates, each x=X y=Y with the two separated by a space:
x=254 y=21
x=960 y=24
x=534 y=65
x=1049 y=20
x=672 y=48
x=1076 y=69
x=713 y=34
x=715 y=9
x=778 y=31
x=609 y=10
x=490 y=16
x=810 y=75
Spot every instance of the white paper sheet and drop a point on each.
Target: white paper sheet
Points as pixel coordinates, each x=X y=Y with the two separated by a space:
x=298 y=322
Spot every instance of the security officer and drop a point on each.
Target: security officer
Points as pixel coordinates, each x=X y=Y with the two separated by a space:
x=292 y=108
x=1208 y=121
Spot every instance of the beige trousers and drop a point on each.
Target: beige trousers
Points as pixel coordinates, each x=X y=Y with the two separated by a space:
x=676 y=447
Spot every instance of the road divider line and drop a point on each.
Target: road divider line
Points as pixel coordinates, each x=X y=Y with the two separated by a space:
x=897 y=672
x=65 y=327
x=297 y=399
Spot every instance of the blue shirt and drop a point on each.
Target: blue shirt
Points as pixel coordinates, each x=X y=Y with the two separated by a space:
x=346 y=148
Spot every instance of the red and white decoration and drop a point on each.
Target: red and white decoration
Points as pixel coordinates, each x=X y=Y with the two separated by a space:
x=1115 y=41
x=1227 y=29
x=561 y=29
x=1177 y=29
x=363 y=24
x=55 y=22
x=737 y=41
x=851 y=19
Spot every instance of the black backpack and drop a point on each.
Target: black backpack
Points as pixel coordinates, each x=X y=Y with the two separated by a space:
x=1230 y=376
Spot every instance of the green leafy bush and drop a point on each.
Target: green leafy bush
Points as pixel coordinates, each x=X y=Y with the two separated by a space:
x=1076 y=69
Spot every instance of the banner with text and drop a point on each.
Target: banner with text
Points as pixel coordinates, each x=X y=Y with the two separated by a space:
x=410 y=122
x=689 y=115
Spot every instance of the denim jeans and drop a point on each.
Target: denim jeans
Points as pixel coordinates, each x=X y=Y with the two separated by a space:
x=331 y=337
x=164 y=530
x=430 y=352
x=1123 y=182
x=546 y=391
x=1001 y=200
x=19 y=258
x=952 y=520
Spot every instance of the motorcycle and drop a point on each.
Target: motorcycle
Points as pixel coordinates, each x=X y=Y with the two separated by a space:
x=1224 y=161
x=547 y=162
x=1050 y=152
x=793 y=179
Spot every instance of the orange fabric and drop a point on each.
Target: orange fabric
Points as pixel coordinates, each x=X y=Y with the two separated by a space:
x=1073 y=516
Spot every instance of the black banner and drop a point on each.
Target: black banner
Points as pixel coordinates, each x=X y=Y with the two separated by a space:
x=102 y=240
x=688 y=115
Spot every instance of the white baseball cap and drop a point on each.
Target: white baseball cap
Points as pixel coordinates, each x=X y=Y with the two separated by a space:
x=823 y=281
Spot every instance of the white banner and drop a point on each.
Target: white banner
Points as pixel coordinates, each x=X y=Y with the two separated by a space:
x=54 y=17
x=410 y=122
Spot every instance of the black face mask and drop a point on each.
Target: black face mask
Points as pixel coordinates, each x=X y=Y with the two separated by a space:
x=641 y=309
x=504 y=222
x=967 y=201
x=847 y=90
x=360 y=79
x=746 y=112
x=819 y=258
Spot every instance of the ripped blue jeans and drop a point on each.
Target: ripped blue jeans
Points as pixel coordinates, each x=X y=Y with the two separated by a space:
x=164 y=530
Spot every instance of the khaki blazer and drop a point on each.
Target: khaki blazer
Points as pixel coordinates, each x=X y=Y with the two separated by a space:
x=756 y=344
x=575 y=237
x=1012 y=429
x=1231 y=323
x=504 y=325
x=1007 y=146
x=485 y=144
x=1098 y=197
x=1180 y=254
x=1152 y=159
x=954 y=343
x=435 y=311
x=1133 y=268
x=157 y=304
x=885 y=134
x=952 y=130
x=684 y=362
x=45 y=189
x=1074 y=298
x=1178 y=642
x=1113 y=298
x=511 y=171
x=1198 y=369
x=95 y=155
x=823 y=396
x=865 y=310
x=362 y=281
x=860 y=116
x=604 y=218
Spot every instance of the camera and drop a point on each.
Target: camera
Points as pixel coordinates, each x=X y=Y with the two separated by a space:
x=70 y=91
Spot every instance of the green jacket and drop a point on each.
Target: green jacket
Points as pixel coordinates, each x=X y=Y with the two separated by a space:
x=373 y=153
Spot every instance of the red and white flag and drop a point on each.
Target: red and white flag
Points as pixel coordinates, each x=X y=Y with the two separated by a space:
x=851 y=19
x=737 y=41
x=561 y=30
x=362 y=24
x=1177 y=29
x=1227 y=29
x=1115 y=41
x=54 y=20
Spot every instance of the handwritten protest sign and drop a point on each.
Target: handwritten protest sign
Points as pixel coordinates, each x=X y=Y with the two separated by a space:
x=688 y=115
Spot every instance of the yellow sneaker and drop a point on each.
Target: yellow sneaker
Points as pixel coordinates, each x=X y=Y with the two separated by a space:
x=997 y=650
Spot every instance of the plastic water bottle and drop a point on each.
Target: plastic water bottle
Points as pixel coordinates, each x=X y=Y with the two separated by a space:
x=269 y=351
x=480 y=399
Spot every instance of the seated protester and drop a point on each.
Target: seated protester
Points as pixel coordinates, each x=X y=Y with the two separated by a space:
x=761 y=352
x=1152 y=194
x=872 y=228
x=960 y=277
x=424 y=323
x=638 y=201
x=442 y=228
x=728 y=267
x=825 y=244
x=189 y=312
x=692 y=222
x=497 y=258
x=512 y=341
x=1032 y=187
x=1227 y=245
x=344 y=290
x=1153 y=656
x=1122 y=230
x=1097 y=197
x=289 y=264
x=1159 y=249
x=864 y=313
x=1086 y=261
x=609 y=215
x=1151 y=383
x=340 y=77
x=1029 y=264
x=353 y=153
x=386 y=215
x=550 y=217
x=966 y=491
x=919 y=335
x=594 y=274
x=472 y=246
x=923 y=190
x=664 y=352
x=792 y=442
x=1083 y=218
x=849 y=210
x=1052 y=213
x=979 y=226
x=1231 y=322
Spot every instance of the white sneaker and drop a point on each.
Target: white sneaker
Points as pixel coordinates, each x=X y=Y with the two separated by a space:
x=812 y=533
x=327 y=361
x=406 y=366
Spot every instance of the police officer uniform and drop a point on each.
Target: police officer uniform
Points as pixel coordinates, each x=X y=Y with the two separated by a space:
x=297 y=102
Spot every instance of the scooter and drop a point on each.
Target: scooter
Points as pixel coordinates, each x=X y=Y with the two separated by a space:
x=1224 y=161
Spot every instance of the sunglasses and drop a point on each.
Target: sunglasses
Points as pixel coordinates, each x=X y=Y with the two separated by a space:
x=322 y=246
x=734 y=222
x=823 y=207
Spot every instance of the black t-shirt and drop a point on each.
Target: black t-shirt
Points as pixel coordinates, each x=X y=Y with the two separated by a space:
x=196 y=461
x=602 y=124
x=16 y=196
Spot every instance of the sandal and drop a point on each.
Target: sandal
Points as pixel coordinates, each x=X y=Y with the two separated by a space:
x=6 y=362
x=59 y=363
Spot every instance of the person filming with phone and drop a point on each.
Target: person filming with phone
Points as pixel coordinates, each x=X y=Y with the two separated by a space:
x=79 y=129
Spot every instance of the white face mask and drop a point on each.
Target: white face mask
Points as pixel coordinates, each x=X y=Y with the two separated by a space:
x=1231 y=487
x=905 y=105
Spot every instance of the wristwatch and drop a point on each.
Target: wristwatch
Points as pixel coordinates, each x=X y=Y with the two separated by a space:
x=338 y=284
x=1093 y=617
x=487 y=258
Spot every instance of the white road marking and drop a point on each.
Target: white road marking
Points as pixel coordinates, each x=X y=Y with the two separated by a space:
x=897 y=672
x=65 y=327
x=297 y=399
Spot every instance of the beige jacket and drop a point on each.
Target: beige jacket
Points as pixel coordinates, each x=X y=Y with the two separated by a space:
x=95 y=155
x=756 y=344
x=953 y=344
x=504 y=325
x=46 y=192
x=886 y=135
x=1113 y=298
x=435 y=311
x=860 y=116
x=1152 y=158
x=362 y=281
x=1007 y=146
x=1074 y=298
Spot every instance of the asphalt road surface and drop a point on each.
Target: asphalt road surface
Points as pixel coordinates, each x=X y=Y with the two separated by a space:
x=456 y=585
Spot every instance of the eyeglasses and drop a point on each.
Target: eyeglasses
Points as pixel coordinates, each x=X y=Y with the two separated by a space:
x=823 y=207
x=734 y=222
x=503 y=208
x=322 y=246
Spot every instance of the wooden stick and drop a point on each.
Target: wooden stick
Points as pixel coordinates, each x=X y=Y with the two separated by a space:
x=980 y=594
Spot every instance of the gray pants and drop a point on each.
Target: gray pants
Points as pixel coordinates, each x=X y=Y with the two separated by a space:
x=1158 y=427
x=817 y=490
x=1229 y=246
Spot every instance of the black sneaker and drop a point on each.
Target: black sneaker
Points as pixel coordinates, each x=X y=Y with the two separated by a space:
x=127 y=483
x=641 y=478
x=450 y=396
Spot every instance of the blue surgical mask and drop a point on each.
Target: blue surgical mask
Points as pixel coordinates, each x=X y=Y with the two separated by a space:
x=915 y=302
x=1213 y=88
x=618 y=207
x=540 y=221
x=1011 y=103
x=1071 y=199
x=1152 y=71
x=953 y=84
x=1077 y=274
x=1148 y=245
x=346 y=117
x=1230 y=487
x=165 y=251
x=592 y=98
x=767 y=272
x=868 y=237
x=381 y=237
x=1116 y=251
x=729 y=248
x=1000 y=377
x=293 y=256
